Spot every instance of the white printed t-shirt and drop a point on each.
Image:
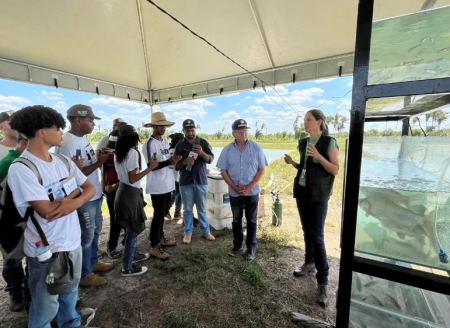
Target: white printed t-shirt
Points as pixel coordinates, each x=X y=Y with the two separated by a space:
x=130 y=163
x=69 y=148
x=160 y=181
x=63 y=234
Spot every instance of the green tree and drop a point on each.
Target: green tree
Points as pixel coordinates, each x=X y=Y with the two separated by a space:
x=441 y=117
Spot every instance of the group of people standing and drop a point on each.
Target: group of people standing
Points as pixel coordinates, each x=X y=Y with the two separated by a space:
x=73 y=223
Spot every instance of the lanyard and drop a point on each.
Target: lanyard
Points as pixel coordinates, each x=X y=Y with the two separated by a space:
x=307 y=145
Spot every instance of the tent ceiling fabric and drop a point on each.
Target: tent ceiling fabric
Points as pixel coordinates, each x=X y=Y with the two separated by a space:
x=99 y=44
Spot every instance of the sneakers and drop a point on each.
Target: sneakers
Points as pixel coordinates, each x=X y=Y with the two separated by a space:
x=16 y=303
x=322 y=295
x=304 y=269
x=208 y=236
x=235 y=251
x=139 y=257
x=102 y=267
x=93 y=280
x=159 y=253
x=167 y=242
x=114 y=254
x=134 y=271
x=187 y=239
x=168 y=216
x=250 y=255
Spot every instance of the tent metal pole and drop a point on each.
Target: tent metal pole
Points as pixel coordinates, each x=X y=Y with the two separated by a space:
x=261 y=33
x=144 y=47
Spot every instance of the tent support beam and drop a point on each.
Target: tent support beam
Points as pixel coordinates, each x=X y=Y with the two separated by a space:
x=428 y=4
x=144 y=47
x=261 y=33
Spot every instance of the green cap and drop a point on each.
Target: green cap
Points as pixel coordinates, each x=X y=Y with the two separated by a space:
x=6 y=116
x=81 y=111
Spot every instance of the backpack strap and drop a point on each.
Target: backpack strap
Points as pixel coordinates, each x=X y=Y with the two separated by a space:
x=64 y=160
x=30 y=210
x=149 y=153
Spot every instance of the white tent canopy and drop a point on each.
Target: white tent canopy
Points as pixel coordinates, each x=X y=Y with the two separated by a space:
x=125 y=48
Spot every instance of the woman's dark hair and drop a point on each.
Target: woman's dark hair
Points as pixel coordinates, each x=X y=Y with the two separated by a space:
x=124 y=144
x=30 y=119
x=319 y=115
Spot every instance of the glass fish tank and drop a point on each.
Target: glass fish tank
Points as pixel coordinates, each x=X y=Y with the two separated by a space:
x=381 y=303
x=404 y=201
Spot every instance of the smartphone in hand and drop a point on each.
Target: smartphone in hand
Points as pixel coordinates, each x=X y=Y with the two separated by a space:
x=78 y=154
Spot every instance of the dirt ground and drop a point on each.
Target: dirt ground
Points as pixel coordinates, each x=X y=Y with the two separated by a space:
x=200 y=286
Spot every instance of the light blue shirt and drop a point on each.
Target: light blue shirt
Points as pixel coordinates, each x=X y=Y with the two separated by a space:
x=242 y=166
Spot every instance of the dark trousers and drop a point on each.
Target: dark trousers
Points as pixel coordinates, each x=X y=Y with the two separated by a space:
x=17 y=281
x=176 y=198
x=160 y=205
x=114 y=227
x=312 y=217
x=249 y=204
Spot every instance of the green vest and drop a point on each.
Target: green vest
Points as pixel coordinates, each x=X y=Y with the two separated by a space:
x=319 y=183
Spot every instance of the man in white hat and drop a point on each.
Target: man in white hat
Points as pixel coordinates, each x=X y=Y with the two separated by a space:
x=160 y=182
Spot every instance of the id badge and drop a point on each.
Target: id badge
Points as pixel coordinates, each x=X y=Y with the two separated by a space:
x=303 y=174
x=70 y=186
x=192 y=154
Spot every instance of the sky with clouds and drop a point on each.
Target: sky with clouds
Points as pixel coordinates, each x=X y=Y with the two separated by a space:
x=277 y=109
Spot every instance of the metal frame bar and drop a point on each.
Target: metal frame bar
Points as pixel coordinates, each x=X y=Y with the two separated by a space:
x=384 y=118
x=412 y=88
x=354 y=156
x=406 y=276
x=361 y=93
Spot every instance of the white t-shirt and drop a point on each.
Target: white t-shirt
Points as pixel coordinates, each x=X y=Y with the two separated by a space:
x=63 y=234
x=69 y=148
x=102 y=143
x=130 y=163
x=160 y=181
x=4 y=150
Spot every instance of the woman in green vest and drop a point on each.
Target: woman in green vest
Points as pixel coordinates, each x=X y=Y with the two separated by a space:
x=313 y=185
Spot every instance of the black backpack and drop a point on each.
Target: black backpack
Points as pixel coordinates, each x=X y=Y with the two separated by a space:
x=12 y=224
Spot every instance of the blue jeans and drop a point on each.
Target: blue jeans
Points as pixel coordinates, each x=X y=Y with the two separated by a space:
x=91 y=221
x=130 y=249
x=250 y=205
x=175 y=198
x=312 y=217
x=16 y=281
x=45 y=307
x=190 y=195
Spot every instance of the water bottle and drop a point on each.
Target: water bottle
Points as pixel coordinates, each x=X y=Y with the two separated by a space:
x=189 y=167
x=42 y=252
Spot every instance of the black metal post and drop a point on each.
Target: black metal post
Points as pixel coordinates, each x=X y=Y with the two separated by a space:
x=352 y=174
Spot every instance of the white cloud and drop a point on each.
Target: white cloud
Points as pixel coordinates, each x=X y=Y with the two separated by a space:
x=190 y=108
x=257 y=110
x=232 y=94
x=6 y=107
x=14 y=100
x=101 y=112
x=325 y=80
x=350 y=83
x=45 y=93
x=271 y=90
x=323 y=101
x=345 y=103
x=248 y=97
x=230 y=114
x=113 y=102
x=61 y=105
x=53 y=96
x=296 y=97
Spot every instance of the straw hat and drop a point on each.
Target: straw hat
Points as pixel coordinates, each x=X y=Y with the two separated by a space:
x=158 y=118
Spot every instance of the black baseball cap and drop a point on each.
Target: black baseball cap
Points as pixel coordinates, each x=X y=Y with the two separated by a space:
x=188 y=124
x=119 y=121
x=6 y=116
x=239 y=125
x=113 y=136
x=126 y=130
x=80 y=110
x=177 y=136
